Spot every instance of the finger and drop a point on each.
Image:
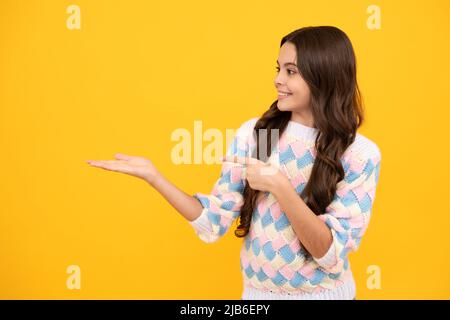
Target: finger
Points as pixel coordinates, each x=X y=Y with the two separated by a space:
x=96 y=163
x=235 y=159
x=107 y=164
x=122 y=156
x=240 y=160
x=101 y=162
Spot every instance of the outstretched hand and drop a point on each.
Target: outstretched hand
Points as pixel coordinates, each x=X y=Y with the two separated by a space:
x=139 y=167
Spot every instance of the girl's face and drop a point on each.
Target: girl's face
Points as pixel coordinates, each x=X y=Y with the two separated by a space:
x=288 y=80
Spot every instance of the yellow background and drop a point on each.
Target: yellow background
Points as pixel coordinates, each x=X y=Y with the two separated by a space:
x=138 y=70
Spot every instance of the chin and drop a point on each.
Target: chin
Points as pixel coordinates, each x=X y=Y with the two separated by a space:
x=283 y=107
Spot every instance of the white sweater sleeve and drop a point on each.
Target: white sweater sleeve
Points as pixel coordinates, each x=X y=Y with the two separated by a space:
x=222 y=206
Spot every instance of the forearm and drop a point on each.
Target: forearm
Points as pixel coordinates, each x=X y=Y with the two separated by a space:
x=312 y=232
x=185 y=204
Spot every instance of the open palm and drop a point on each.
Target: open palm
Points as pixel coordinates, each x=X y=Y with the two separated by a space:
x=136 y=166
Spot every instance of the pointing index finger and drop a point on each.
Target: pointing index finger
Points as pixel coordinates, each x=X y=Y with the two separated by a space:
x=240 y=160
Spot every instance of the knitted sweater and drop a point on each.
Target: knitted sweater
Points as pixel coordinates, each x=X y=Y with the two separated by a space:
x=273 y=262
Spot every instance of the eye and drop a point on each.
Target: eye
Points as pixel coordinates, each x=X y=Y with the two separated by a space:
x=288 y=70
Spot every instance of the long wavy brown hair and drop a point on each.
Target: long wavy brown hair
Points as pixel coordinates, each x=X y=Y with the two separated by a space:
x=327 y=63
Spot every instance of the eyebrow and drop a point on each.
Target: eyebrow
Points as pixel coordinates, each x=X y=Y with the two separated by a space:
x=288 y=64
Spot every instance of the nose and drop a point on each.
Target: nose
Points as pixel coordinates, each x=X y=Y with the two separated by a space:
x=279 y=81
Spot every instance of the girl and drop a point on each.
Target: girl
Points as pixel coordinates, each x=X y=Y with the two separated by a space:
x=305 y=204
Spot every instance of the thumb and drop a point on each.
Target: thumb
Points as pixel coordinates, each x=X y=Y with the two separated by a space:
x=122 y=156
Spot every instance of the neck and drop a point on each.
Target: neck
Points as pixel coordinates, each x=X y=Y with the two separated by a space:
x=304 y=117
